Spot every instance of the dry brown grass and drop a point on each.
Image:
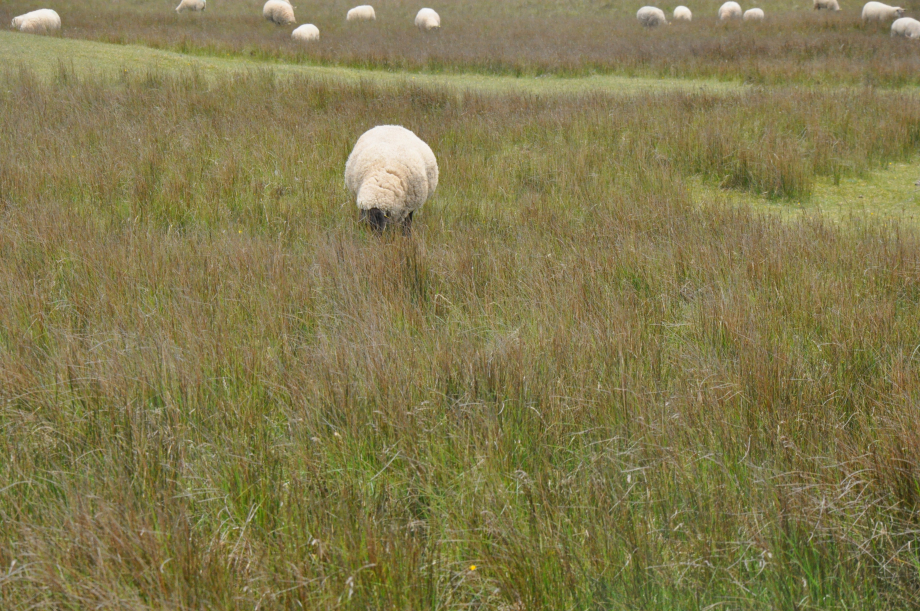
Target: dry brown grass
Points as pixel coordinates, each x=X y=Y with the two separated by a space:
x=599 y=389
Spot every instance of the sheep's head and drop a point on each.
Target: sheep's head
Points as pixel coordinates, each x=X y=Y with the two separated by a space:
x=379 y=219
x=899 y=11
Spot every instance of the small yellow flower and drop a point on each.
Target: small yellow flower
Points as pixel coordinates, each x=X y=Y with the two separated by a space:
x=472 y=567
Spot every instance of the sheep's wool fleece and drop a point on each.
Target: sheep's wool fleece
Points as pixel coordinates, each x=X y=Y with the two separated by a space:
x=391 y=169
x=753 y=14
x=279 y=11
x=649 y=16
x=906 y=27
x=730 y=10
x=365 y=12
x=830 y=5
x=876 y=11
x=427 y=19
x=682 y=13
x=306 y=33
x=37 y=22
x=190 y=5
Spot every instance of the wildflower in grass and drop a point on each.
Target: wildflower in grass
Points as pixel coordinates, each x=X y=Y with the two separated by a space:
x=472 y=567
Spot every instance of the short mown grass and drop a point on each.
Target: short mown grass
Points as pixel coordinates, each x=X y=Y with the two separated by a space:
x=582 y=383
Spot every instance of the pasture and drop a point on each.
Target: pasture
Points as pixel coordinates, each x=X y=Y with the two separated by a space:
x=652 y=344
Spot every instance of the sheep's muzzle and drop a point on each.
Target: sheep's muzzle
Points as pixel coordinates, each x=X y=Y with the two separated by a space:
x=380 y=220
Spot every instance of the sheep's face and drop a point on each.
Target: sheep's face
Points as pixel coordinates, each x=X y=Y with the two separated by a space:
x=379 y=219
x=899 y=12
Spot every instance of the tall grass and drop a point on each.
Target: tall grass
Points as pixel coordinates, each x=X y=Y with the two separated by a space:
x=577 y=376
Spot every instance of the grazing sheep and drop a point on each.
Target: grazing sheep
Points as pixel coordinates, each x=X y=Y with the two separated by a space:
x=905 y=27
x=830 y=5
x=876 y=11
x=365 y=12
x=190 y=5
x=427 y=20
x=753 y=14
x=38 y=22
x=390 y=173
x=306 y=33
x=729 y=10
x=279 y=12
x=651 y=17
x=682 y=13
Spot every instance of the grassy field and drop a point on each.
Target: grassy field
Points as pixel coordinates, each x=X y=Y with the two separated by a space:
x=523 y=38
x=602 y=372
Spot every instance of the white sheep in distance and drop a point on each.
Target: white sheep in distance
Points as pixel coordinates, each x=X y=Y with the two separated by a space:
x=190 y=5
x=651 y=17
x=906 y=28
x=305 y=33
x=41 y=21
x=279 y=12
x=365 y=12
x=682 y=13
x=753 y=14
x=729 y=10
x=830 y=5
x=427 y=20
x=391 y=172
x=876 y=11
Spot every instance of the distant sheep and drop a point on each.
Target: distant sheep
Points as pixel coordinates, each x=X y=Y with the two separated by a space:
x=729 y=10
x=651 y=17
x=427 y=20
x=876 y=11
x=753 y=14
x=830 y=5
x=365 y=12
x=279 y=12
x=682 y=13
x=41 y=21
x=306 y=33
x=190 y=5
x=905 y=27
x=391 y=172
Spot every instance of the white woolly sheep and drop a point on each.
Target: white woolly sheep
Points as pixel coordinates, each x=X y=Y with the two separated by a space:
x=651 y=17
x=905 y=27
x=38 y=22
x=190 y=5
x=876 y=11
x=391 y=172
x=279 y=12
x=753 y=14
x=427 y=20
x=729 y=10
x=830 y=5
x=682 y=13
x=365 y=12
x=305 y=33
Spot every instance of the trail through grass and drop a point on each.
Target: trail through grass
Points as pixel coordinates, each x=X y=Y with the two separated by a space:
x=44 y=55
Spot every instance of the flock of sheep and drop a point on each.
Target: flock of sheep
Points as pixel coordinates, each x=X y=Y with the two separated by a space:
x=651 y=16
x=279 y=12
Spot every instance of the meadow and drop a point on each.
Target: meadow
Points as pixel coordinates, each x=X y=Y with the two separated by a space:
x=525 y=38
x=601 y=373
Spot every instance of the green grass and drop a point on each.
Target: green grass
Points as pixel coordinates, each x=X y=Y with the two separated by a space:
x=45 y=55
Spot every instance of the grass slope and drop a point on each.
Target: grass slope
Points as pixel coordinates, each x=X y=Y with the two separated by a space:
x=45 y=55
